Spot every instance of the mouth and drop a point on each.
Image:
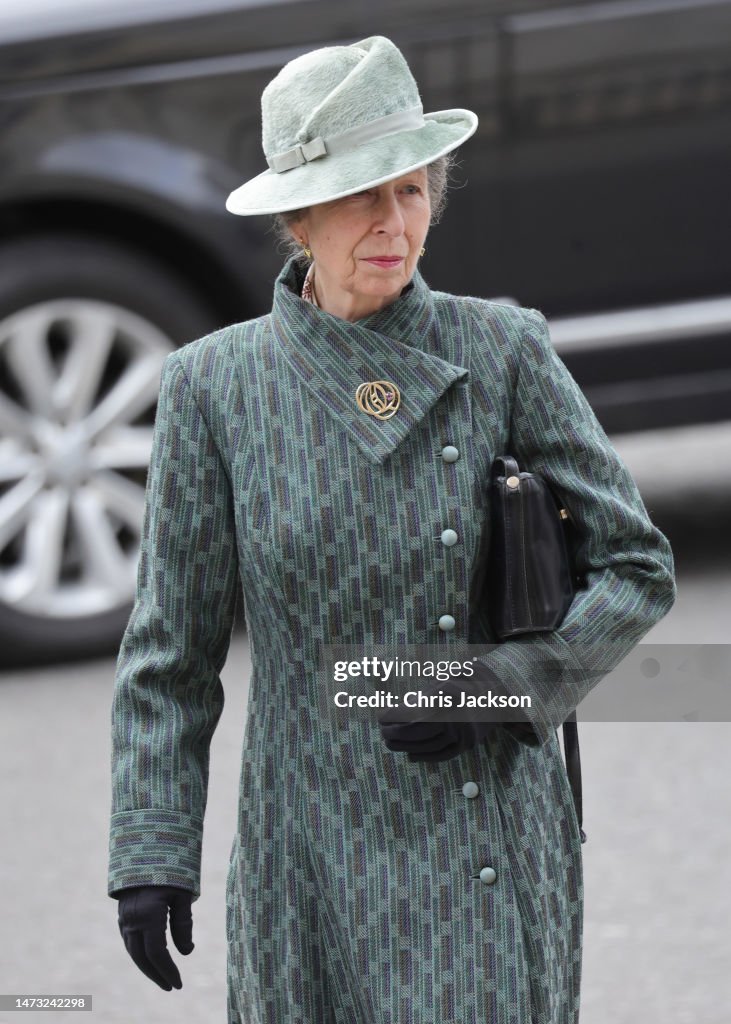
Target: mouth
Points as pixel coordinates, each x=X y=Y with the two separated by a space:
x=385 y=261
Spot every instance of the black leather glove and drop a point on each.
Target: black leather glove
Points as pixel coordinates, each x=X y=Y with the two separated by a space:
x=143 y=914
x=425 y=739
x=435 y=741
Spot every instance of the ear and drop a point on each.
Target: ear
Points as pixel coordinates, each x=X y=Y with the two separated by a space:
x=298 y=229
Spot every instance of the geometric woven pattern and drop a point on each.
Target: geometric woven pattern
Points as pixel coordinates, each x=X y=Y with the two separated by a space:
x=354 y=891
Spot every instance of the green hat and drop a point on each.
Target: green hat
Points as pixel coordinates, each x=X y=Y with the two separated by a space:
x=342 y=119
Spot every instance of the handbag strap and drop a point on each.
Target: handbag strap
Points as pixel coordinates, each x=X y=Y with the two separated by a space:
x=573 y=765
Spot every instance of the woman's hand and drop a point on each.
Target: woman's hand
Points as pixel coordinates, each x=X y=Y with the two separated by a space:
x=434 y=741
x=425 y=739
x=143 y=913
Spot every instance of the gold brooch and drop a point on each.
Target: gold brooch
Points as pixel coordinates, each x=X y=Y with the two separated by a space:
x=378 y=398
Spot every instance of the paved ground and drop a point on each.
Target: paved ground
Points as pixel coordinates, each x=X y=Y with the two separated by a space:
x=657 y=811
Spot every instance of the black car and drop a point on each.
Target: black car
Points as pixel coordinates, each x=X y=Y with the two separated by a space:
x=595 y=189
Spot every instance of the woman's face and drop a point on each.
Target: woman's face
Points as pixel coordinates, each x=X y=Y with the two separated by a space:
x=347 y=235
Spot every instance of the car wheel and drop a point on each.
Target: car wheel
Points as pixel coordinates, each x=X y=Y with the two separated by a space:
x=85 y=325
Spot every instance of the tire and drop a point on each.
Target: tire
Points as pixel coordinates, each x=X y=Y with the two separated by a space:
x=85 y=324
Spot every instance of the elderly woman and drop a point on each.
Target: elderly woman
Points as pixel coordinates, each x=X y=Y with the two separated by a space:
x=332 y=457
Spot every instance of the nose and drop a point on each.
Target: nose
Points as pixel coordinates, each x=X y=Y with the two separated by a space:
x=389 y=216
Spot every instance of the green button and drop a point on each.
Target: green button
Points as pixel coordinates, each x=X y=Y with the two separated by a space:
x=446 y=622
x=449 y=537
x=488 y=875
x=450 y=453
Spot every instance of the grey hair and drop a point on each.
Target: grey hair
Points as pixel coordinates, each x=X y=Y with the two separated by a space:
x=438 y=172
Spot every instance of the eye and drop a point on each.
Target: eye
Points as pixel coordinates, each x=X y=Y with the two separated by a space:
x=416 y=189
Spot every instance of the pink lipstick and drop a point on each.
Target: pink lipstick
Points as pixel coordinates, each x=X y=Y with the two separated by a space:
x=386 y=262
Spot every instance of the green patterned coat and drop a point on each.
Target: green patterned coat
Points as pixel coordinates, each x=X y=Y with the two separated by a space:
x=354 y=891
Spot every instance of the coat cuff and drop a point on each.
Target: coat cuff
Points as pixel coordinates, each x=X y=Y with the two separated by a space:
x=155 y=846
x=543 y=668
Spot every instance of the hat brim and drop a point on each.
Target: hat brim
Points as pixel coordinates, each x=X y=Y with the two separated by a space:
x=342 y=174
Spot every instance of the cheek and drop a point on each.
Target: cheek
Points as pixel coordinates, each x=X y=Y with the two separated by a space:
x=337 y=254
x=340 y=244
x=418 y=228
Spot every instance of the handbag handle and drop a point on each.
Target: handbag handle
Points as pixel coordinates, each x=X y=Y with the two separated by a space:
x=504 y=465
x=573 y=765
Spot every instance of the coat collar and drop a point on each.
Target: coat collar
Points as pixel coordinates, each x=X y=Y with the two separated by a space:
x=402 y=343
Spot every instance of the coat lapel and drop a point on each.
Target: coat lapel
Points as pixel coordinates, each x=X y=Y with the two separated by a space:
x=400 y=343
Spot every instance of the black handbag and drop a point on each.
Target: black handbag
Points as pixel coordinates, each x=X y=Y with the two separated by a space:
x=531 y=577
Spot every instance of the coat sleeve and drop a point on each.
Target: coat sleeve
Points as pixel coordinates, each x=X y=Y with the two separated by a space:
x=168 y=695
x=627 y=562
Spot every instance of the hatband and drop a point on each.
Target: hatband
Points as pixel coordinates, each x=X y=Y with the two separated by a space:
x=402 y=120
